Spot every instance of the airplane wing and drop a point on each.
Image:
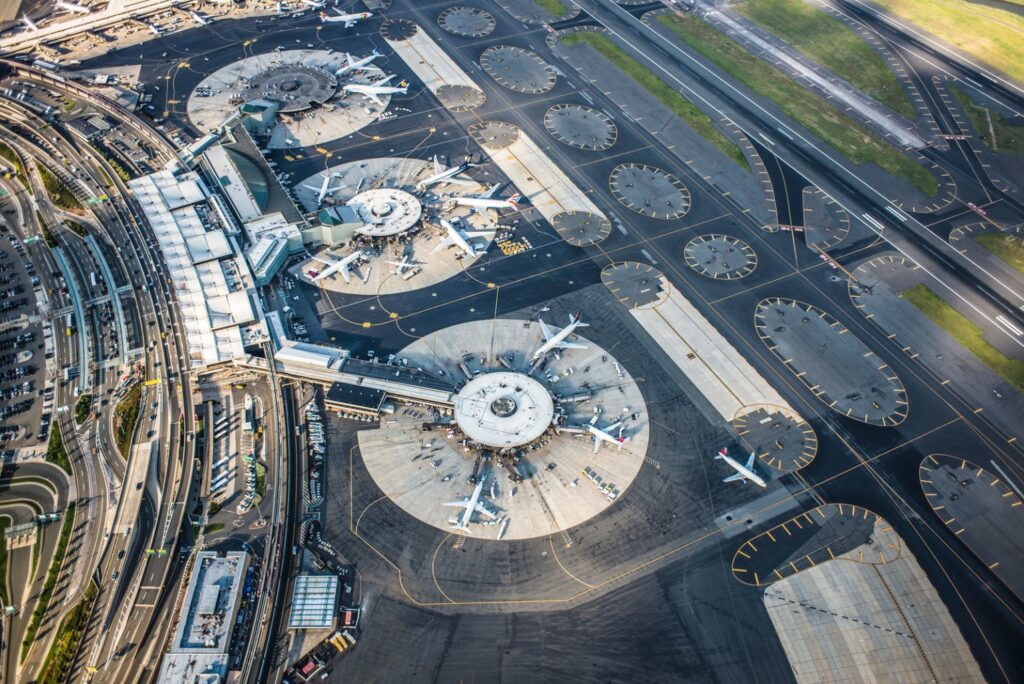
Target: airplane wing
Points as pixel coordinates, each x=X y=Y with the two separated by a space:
x=597 y=443
x=455 y=504
x=344 y=273
x=480 y=508
x=572 y=345
x=750 y=461
x=545 y=330
x=383 y=81
x=350 y=23
x=447 y=242
x=476 y=233
x=374 y=97
x=614 y=426
x=491 y=192
x=734 y=478
x=351 y=61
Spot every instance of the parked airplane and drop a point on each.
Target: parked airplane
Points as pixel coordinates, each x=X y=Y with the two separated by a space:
x=73 y=7
x=487 y=200
x=610 y=433
x=459 y=238
x=372 y=90
x=356 y=64
x=315 y=4
x=323 y=191
x=407 y=262
x=199 y=18
x=29 y=24
x=155 y=30
x=470 y=505
x=447 y=174
x=558 y=340
x=743 y=472
x=349 y=19
x=338 y=266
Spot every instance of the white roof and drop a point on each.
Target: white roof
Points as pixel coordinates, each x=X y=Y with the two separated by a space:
x=307 y=354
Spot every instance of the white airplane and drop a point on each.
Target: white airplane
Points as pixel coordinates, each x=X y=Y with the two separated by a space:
x=29 y=24
x=487 y=200
x=280 y=7
x=338 y=266
x=470 y=505
x=606 y=434
x=459 y=238
x=199 y=18
x=155 y=30
x=315 y=4
x=407 y=262
x=448 y=174
x=372 y=90
x=349 y=19
x=558 y=340
x=73 y=7
x=743 y=472
x=356 y=64
x=323 y=191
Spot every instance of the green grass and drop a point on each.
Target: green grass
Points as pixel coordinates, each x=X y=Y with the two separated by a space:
x=966 y=333
x=1009 y=248
x=69 y=636
x=987 y=33
x=261 y=483
x=59 y=193
x=831 y=44
x=556 y=8
x=75 y=227
x=13 y=159
x=213 y=528
x=82 y=408
x=995 y=131
x=125 y=416
x=679 y=105
x=849 y=138
x=5 y=522
x=55 y=451
x=52 y=576
x=48 y=237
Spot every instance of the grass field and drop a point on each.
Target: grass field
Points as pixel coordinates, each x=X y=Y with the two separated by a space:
x=82 y=408
x=556 y=8
x=55 y=452
x=51 y=580
x=679 y=105
x=59 y=193
x=213 y=528
x=848 y=137
x=69 y=635
x=1009 y=248
x=966 y=333
x=125 y=415
x=830 y=43
x=987 y=33
x=998 y=134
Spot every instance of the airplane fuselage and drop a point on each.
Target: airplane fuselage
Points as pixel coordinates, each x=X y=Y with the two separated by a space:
x=558 y=338
x=747 y=473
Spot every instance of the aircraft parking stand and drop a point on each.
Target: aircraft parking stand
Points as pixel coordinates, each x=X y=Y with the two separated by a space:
x=438 y=71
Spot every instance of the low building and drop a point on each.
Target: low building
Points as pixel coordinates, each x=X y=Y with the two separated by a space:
x=357 y=399
x=314 y=602
x=202 y=637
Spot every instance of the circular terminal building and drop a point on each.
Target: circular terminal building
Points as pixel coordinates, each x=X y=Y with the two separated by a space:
x=385 y=212
x=543 y=445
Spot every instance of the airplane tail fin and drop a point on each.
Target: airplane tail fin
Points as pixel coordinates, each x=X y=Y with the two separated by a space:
x=722 y=453
x=514 y=200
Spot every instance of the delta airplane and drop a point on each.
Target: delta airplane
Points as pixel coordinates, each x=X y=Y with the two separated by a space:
x=407 y=262
x=448 y=175
x=323 y=191
x=558 y=340
x=470 y=505
x=199 y=18
x=356 y=64
x=743 y=472
x=372 y=90
x=349 y=19
x=459 y=238
x=488 y=200
x=338 y=266
x=29 y=24
x=606 y=434
x=73 y=7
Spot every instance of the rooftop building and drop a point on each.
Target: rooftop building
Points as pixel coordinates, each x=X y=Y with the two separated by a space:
x=314 y=602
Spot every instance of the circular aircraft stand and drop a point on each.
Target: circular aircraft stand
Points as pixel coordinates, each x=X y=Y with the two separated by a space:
x=518 y=69
x=468 y=22
x=581 y=228
x=581 y=127
x=499 y=442
x=494 y=135
x=398 y=29
x=460 y=98
x=650 y=191
x=778 y=435
x=636 y=285
x=721 y=257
